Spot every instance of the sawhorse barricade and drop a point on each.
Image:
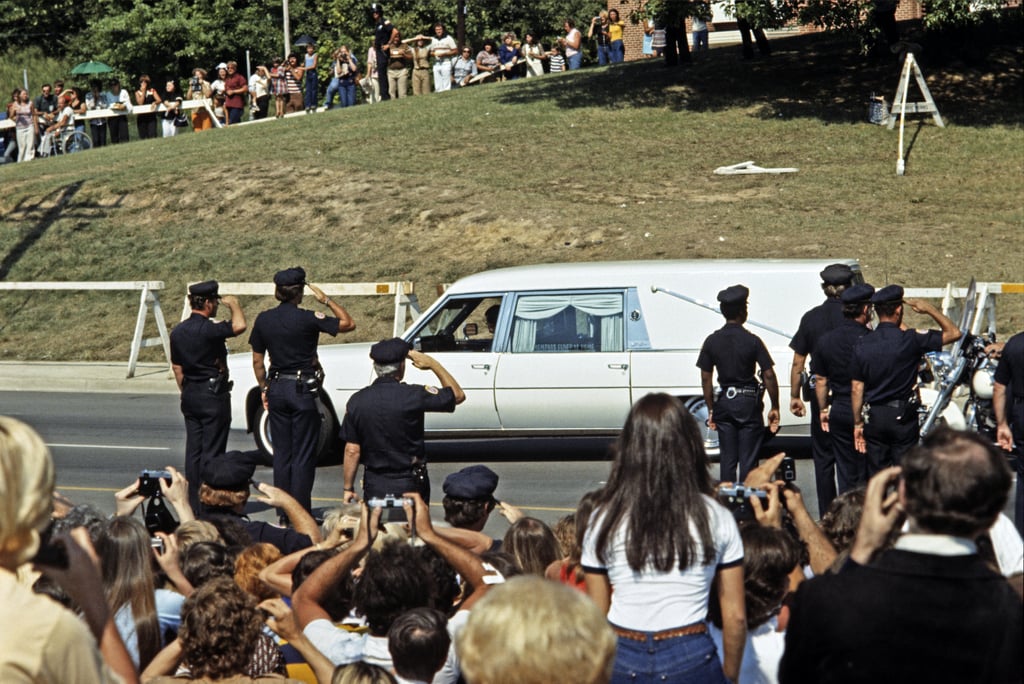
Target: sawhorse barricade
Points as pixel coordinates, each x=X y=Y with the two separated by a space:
x=406 y=304
x=985 y=299
x=149 y=301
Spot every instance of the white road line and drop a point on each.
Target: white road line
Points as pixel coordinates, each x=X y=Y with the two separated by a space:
x=109 y=446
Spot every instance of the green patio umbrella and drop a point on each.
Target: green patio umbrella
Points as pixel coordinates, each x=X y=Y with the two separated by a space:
x=89 y=68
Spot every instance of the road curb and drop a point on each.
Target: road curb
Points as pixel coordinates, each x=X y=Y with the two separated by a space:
x=99 y=377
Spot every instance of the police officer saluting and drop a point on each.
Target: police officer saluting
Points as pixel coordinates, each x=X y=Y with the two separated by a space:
x=199 y=362
x=884 y=376
x=290 y=335
x=383 y=425
x=737 y=415
x=831 y=368
x=813 y=325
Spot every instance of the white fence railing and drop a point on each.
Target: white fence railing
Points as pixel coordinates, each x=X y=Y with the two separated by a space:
x=405 y=301
x=149 y=301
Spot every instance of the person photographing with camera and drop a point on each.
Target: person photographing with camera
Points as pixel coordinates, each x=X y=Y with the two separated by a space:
x=343 y=81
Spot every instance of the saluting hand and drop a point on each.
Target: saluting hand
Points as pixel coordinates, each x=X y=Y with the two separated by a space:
x=317 y=292
x=421 y=360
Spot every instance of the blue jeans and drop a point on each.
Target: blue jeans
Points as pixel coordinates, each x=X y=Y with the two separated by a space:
x=346 y=91
x=604 y=54
x=574 y=61
x=332 y=89
x=680 y=660
x=311 y=88
x=618 y=52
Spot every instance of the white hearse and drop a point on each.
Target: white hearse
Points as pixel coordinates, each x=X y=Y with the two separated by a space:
x=572 y=345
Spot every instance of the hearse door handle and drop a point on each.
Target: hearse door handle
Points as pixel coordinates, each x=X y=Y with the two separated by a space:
x=481 y=366
x=619 y=366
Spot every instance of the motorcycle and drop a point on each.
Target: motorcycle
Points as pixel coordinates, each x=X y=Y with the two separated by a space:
x=957 y=386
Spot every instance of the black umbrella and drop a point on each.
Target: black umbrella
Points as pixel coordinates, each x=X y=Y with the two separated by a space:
x=304 y=39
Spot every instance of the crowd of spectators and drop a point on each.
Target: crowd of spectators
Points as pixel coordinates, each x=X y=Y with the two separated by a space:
x=916 y=578
x=421 y=64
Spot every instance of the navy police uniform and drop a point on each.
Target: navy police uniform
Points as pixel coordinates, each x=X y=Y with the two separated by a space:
x=233 y=472
x=1010 y=373
x=290 y=335
x=813 y=326
x=831 y=360
x=382 y=31
x=886 y=361
x=197 y=346
x=738 y=412
x=386 y=421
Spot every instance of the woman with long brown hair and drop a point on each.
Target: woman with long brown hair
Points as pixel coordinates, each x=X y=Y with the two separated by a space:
x=126 y=563
x=658 y=542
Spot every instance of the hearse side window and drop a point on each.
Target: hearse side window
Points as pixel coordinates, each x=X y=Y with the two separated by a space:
x=568 y=323
x=461 y=324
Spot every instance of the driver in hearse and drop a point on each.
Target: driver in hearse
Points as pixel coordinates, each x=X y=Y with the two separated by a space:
x=383 y=424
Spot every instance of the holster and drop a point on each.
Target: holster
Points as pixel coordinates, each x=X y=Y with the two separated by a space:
x=219 y=384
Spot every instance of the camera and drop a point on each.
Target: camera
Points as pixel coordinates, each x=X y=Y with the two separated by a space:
x=389 y=501
x=194 y=83
x=149 y=482
x=786 y=471
x=736 y=500
x=157 y=543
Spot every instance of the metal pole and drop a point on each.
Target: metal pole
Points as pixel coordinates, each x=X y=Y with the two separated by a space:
x=287 y=28
x=710 y=307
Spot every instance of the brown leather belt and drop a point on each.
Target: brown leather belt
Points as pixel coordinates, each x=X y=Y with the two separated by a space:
x=688 y=630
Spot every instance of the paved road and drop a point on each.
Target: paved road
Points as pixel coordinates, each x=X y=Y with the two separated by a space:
x=101 y=441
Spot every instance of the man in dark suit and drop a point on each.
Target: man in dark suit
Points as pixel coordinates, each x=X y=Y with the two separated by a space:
x=929 y=609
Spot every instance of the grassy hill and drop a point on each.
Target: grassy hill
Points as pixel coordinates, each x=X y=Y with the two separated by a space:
x=602 y=164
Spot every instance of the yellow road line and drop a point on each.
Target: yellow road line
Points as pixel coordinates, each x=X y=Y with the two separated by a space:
x=549 y=509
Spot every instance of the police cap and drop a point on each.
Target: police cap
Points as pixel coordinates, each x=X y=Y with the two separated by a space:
x=207 y=288
x=736 y=294
x=390 y=351
x=474 y=482
x=888 y=294
x=837 y=274
x=231 y=470
x=377 y=8
x=290 y=276
x=857 y=294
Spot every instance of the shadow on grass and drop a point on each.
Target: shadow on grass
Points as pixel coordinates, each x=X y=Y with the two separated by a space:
x=812 y=76
x=43 y=213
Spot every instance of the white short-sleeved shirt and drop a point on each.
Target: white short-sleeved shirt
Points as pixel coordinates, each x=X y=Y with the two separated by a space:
x=762 y=654
x=341 y=646
x=651 y=601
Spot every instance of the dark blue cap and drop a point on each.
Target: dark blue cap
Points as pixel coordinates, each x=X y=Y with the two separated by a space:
x=474 y=482
x=837 y=274
x=390 y=351
x=736 y=294
x=207 y=288
x=231 y=470
x=857 y=294
x=888 y=294
x=290 y=276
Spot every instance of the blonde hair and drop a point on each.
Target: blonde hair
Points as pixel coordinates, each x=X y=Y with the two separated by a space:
x=361 y=673
x=530 y=630
x=222 y=498
x=26 y=491
x=342 y=515
x=194 y=531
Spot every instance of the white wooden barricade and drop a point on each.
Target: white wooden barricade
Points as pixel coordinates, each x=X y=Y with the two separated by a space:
x=985 y=298
x=406 y=303
x=149 y=301
x=186 y=105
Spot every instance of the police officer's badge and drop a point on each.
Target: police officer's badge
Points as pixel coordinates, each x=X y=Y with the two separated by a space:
x=430 y=389
x=320 y=314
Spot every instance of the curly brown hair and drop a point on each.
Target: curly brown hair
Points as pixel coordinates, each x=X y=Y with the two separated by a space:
x=247 y=569
x=220 y=626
